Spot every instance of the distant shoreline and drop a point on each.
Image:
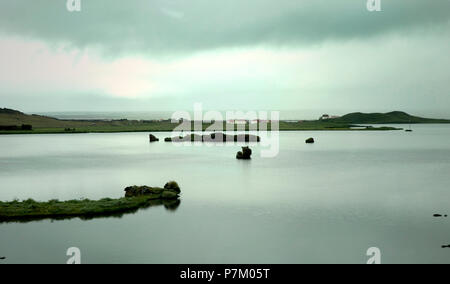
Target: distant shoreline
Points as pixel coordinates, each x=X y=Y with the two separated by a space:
x=16 y=122
x=59 y=131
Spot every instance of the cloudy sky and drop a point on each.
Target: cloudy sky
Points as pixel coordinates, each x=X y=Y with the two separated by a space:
x=152 y=55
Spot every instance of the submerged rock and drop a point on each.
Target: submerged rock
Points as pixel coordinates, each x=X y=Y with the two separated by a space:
x=171 y=192
x=153 y=138
x=245 y=154
x=310 y=141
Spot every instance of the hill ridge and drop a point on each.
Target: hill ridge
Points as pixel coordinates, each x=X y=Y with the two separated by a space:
x=10 y=111
x=393 y=117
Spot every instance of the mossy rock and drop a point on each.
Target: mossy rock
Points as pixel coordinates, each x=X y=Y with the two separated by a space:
x=133 y=191
x=170 y=190
x=172 y=186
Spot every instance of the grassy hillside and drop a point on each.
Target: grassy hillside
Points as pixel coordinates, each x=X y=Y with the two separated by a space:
x=395 y=117
x=44 y=124
x=14 y=117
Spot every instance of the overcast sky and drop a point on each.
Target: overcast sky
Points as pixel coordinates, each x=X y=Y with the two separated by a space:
x=151 y=55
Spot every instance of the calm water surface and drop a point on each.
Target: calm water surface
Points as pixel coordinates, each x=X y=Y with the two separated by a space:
x=322 y=203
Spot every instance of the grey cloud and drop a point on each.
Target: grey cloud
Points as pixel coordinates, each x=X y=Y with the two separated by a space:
x=162 y=26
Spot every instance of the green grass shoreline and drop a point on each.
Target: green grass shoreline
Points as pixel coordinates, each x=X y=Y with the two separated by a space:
x=136 y=197
x=85 y=209
x=164 y=127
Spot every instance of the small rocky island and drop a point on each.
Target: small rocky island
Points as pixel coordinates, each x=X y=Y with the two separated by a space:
x=215 y=137
x=245 y=154
x=310 y=141
x=136 y=197
x=153 y=138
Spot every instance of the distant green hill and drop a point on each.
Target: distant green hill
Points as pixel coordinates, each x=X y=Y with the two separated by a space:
x=9 y=111
x=395 y=117
x=10 y=117
x=16 y=122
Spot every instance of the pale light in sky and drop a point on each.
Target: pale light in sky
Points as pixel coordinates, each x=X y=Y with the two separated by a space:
x=167 y=55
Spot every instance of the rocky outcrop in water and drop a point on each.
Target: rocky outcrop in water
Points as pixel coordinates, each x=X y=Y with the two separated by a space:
x=153 y=138
x=172 y=186
x=170 y=191
x=310 y=141
x=215 y=137
x=439 y=215
x=245 y=154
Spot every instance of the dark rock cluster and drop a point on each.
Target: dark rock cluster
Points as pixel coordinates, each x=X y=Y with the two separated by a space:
x=215 y=137
x=170 y=191
x=440 y=216
x=245 y=154
x=153 y=138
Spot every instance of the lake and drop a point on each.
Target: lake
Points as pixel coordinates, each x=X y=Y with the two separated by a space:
x=322 y=203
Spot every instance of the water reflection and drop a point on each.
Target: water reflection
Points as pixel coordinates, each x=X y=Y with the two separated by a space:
x=352 y=189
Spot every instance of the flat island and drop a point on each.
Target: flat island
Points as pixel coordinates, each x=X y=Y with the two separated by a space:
x=136 y=197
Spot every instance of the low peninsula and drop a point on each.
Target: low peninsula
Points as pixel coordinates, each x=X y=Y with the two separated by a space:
x=136 y=197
